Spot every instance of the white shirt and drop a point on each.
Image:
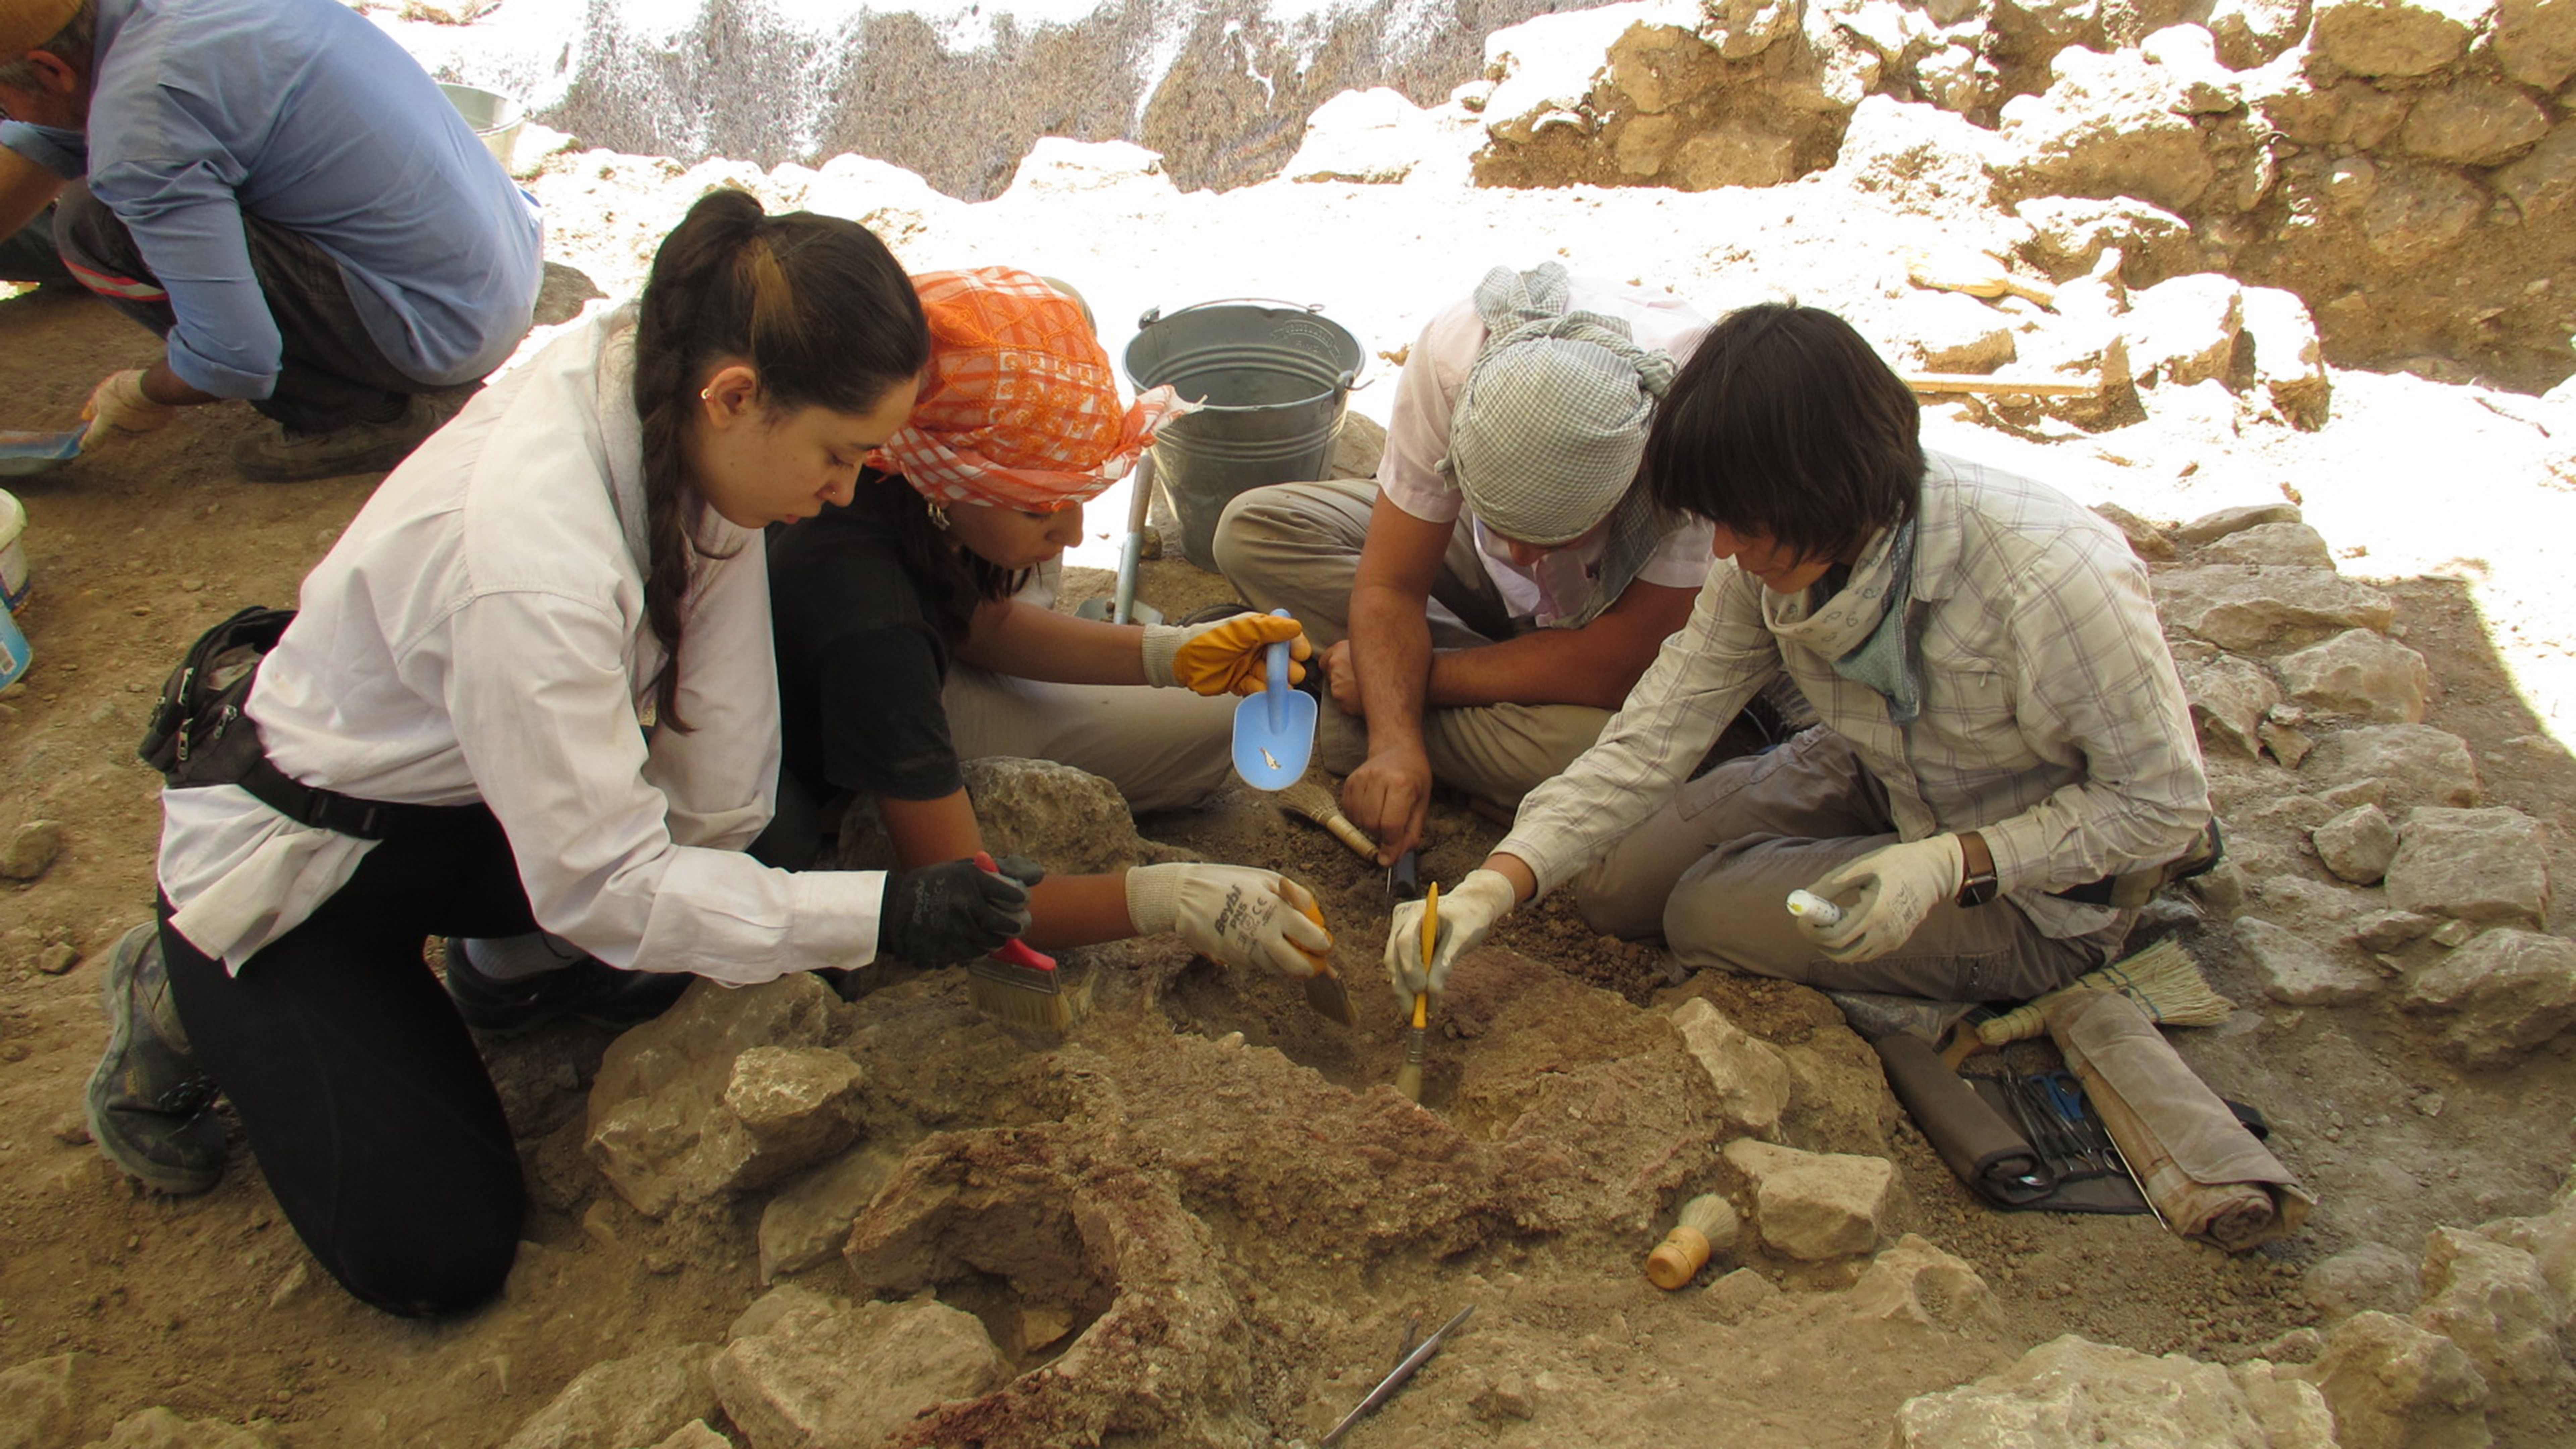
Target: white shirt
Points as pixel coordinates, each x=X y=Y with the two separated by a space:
x=478 y=633
x=2053 y=721
x=1417 y=439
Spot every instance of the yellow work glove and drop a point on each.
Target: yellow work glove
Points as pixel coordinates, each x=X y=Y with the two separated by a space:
x=1223 y=657
x=118 y=410
x=1898 y=884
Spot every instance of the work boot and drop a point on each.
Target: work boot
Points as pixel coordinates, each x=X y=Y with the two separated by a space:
x=583 y=987
x=148 y=1104
x=281 y=454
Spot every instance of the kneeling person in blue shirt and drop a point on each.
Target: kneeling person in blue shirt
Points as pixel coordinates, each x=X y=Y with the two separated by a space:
x=285 y=196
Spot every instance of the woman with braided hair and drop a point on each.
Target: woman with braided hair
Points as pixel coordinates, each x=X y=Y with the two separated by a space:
x=911 y=636
x=530 y=688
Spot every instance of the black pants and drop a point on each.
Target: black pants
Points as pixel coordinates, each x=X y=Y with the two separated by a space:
x=332 y=374
x=368 y=1106
x=29 y=255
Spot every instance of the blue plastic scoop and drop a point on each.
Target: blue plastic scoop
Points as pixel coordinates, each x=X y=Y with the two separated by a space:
x=25 y=453
x=1274 y=731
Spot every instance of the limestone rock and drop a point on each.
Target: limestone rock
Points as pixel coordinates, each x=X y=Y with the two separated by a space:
x=2544 y=182
x=2183 y=330
x=1916 y=1282
x=2288 y=743
x=2363 y=674
x=2420 y=764
x=2501 y=995
x=2358 y=844
x=1951 y=332
x=2070 y=1391
x=1751 y=1078
x=2392 y=930
x=2296 y=972
x=632 y=1400
x=2417 y=212
x=1742 y=153
x=1075 y=822
x=2393 y=1385
x=1815 y=1205
x=2289 y=362
x=2393 y=37
x=805 y=1222
x=1918 y=156
x=2146 y=540
x=2473 y=123
x=2472 y=865
x=2236 y=606
x=2245 y=34
x=2106 y=126
x=2275 y=545
x=2535 y=42
x=2364 y=1278
x=795 y=1101
x=695 y=1435
x=161 y=1429
x=2229 y=694
x=2307 y=907
x=852 y=1375
x=1737 y=1296
x=2070 y=234
x=42 y=1411
x=2549 y=1237
x=30 y=849
x=1374 y=137
x=2211 y=527
x=2492 y=1300
x=659 y=1128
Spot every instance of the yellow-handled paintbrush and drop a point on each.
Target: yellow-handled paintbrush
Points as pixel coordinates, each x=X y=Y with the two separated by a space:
x=1408 y=1078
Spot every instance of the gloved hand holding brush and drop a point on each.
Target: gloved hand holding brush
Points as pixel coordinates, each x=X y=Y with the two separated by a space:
x=1237 y=915
x=1467 y=917
x=955 y=911
x=1223 y=656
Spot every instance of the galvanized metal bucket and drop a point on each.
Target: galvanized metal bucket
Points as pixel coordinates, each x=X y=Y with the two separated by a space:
x=1276 y=379
x=495 y=119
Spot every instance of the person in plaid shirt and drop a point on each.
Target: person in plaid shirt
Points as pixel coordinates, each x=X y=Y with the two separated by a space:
x=2004 y=739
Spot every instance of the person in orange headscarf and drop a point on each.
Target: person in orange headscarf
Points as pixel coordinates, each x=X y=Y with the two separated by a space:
x=914 y=632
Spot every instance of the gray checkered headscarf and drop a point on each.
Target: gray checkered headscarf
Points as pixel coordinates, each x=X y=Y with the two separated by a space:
x=1550 y=427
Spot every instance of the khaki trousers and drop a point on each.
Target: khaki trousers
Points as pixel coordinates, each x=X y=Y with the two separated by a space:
x=1297 y=546
x=1709 y=873
x=1165 y=749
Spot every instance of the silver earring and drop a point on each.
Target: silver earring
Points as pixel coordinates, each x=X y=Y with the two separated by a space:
x=938 y=515
x=707 y=393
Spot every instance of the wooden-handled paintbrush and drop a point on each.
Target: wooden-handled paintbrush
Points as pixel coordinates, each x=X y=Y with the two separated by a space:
x=1408 y=1078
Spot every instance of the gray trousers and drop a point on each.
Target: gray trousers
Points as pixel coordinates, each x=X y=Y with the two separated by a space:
x=29 y=255
x=1297 y=546
x=332 y=375
x=1709 y=873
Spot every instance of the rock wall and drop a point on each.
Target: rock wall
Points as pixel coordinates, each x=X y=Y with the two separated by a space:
x=959 y=92
x=2403 y=167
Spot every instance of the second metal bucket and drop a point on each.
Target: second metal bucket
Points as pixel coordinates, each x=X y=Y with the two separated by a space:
x=1276 y=380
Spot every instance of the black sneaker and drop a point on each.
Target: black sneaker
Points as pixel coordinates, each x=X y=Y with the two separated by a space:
x=148 y=1104
x=278 y=454
x=586 y=989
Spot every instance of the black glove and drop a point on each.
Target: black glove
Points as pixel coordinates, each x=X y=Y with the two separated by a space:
x=942 y=914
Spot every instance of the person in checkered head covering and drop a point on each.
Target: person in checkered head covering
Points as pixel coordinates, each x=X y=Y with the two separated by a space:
x=1506 y=577
x=1551 y=426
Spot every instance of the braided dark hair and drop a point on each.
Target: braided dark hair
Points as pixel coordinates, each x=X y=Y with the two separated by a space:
x=818 y=308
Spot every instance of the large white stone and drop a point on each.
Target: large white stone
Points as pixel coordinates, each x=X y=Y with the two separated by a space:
x=2393 y=1384
x=1751 y=1077
x=2358 y=844
x=625 y=1401
x=2394 y=37
x=2472 y=865
x=2298 y=972
x=1815 y=1205
x=2069 y=1391
x=2417 y=764
x=817 y=1375
x=2499 y=996
x=2360 y=673
x=2241 y=607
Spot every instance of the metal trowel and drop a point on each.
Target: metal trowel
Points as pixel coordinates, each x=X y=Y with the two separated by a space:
x=1274 y=731
x=25 y=453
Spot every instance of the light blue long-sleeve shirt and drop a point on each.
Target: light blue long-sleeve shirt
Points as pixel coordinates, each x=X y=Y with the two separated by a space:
x=303 y=114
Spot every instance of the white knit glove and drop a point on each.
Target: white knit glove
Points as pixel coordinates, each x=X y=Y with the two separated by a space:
x=1236 y=915
x=1898 y=884
x=1223 y=656
x=1467 y=917
x=118 y=410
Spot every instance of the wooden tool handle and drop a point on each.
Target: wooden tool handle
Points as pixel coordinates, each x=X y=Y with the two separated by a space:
x=1677 y=1259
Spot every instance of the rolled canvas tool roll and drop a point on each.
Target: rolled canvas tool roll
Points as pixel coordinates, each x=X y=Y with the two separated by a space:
x=2206 y=1173
x=1993 y=1159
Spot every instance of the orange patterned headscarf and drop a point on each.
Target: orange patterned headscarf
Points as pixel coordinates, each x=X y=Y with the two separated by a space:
x=1018 y=409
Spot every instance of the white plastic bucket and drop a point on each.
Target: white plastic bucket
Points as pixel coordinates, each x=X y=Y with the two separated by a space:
x=13 y=550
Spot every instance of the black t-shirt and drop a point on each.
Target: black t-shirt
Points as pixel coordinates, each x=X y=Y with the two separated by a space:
x=859 y=664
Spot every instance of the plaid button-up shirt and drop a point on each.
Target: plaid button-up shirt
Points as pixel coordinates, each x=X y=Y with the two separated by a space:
x=2053 y=720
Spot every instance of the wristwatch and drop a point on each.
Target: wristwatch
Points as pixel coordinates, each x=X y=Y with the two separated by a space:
x=1977 y=870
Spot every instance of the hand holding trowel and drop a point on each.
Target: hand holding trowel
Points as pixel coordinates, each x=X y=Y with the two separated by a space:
x=117 y=408
x=1274 y=731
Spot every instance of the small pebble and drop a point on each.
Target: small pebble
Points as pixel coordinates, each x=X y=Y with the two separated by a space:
x=31 y=848
x=57 y=958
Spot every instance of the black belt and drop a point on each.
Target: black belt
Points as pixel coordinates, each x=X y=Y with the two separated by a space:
x=347 y=814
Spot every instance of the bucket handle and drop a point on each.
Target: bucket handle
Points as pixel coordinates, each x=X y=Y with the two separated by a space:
x=1348 y=381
